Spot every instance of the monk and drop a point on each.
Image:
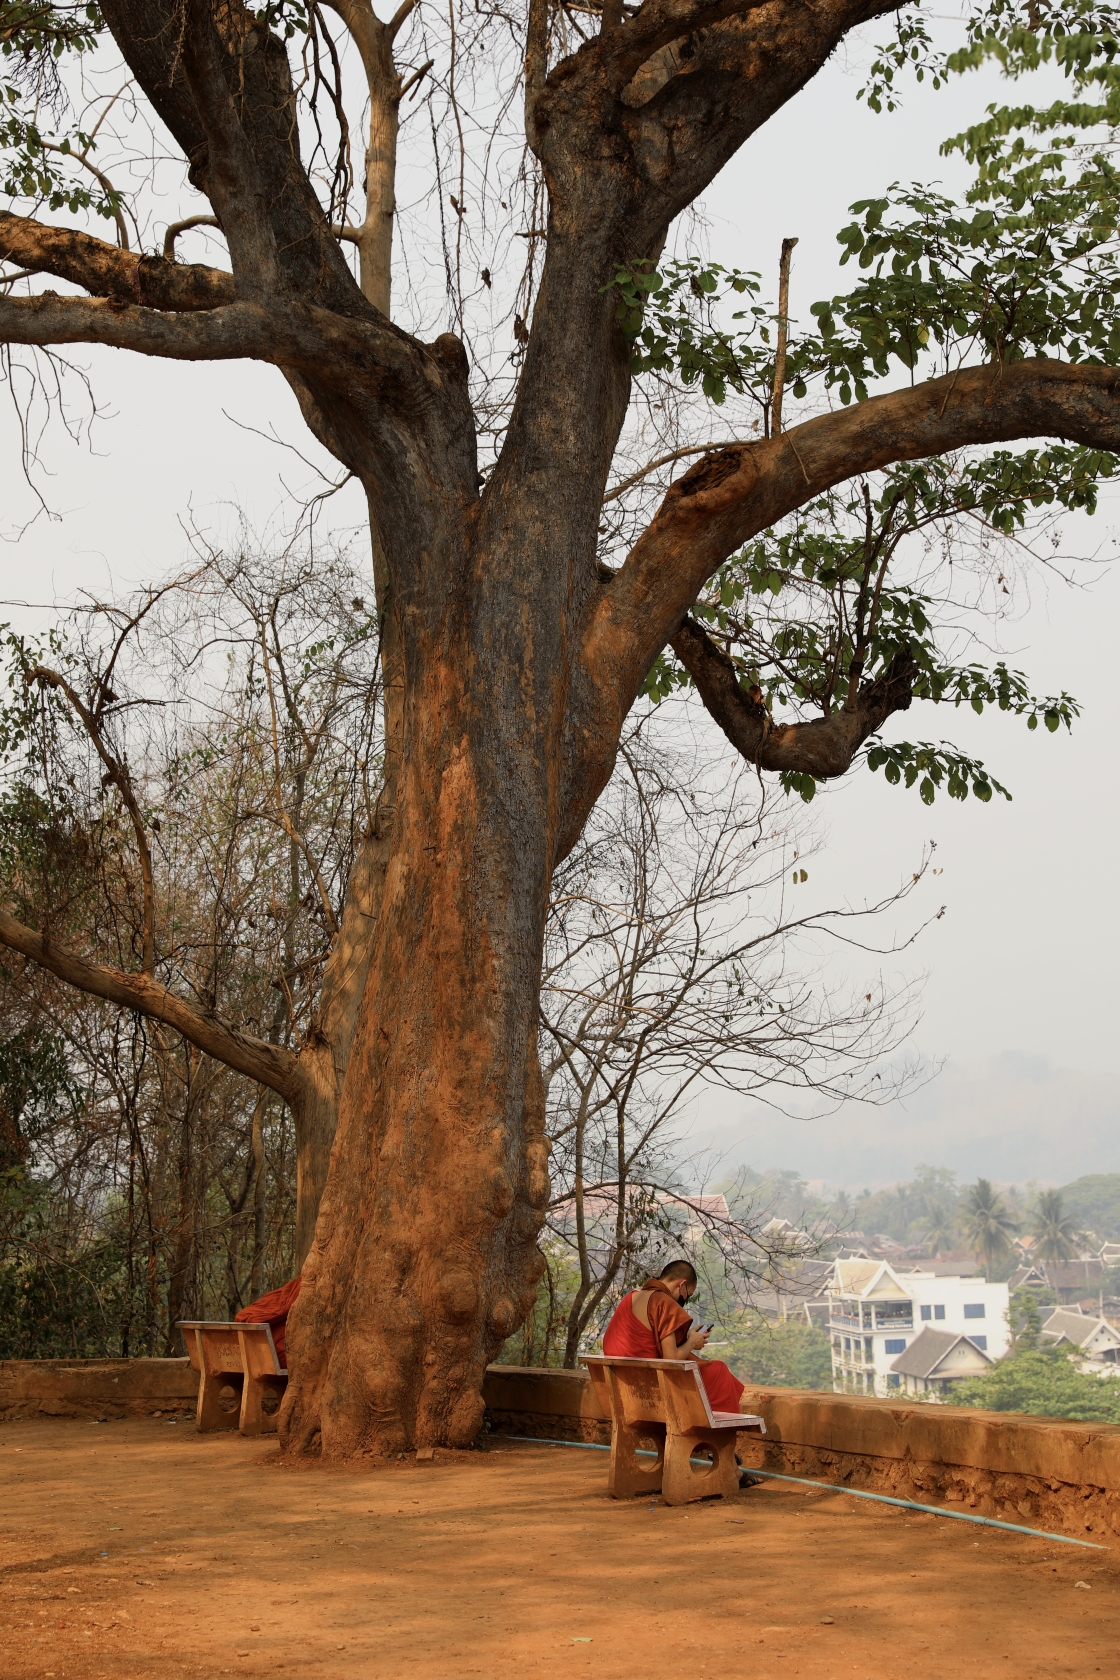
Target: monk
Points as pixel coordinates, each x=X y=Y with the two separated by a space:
x=272 y=1309
x=651 y=1323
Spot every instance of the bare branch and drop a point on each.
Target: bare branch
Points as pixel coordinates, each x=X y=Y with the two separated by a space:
x=176 y=228
x=255 y=1057
x=122 y=781
x=783 y=330
x=103 y=182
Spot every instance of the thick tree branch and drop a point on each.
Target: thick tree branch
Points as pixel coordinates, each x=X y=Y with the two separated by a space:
x=822 y=747
x=106 y=271
x=240 y=329
x=362 y=357
x=620 y=163
x=727 y=499
x=616 y=53
x=223 y=85
x=697 y=110
x=730 y=497
x=270 y=1064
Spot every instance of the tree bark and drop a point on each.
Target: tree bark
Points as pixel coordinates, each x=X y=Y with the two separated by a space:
x=425 y=1250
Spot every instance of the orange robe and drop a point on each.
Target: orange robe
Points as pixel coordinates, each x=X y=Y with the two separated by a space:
x=626 y=1337
x=272 y=1309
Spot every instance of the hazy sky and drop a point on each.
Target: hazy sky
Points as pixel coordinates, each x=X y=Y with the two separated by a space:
x=1020 y=995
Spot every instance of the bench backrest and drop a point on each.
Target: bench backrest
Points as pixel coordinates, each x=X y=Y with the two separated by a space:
x=637 y=1391
x=220 y=1348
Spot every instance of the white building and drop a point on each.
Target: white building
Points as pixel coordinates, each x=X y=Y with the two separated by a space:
x=876 y=1311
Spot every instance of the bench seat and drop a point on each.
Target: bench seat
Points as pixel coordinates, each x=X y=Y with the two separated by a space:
x=664 y=1401
x=238 y=1356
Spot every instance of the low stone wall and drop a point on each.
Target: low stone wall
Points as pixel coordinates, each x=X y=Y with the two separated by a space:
x=1046 y=1473
x=552 y=1405
x=95 y=1388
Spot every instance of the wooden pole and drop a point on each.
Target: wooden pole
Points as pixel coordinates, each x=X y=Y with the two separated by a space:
x=783 y=323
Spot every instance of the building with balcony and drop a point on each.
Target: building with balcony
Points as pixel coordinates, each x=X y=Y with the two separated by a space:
x=877 y=1311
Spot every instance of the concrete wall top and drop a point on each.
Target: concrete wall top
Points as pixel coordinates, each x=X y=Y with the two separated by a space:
x=59 y=1387
x=999 y=1442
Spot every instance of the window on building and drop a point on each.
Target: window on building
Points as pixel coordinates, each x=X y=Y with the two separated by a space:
x=927 y=1313
x=895 y=1344
x=894 y=1380
x=974 y=1309
x=847 y=1344
x=939 y=1312
x=980 y=1342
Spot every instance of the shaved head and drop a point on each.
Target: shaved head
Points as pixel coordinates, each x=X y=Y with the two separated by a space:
x=677 y=1269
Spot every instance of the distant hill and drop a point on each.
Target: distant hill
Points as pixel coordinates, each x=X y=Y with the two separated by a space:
x=1095 y=1201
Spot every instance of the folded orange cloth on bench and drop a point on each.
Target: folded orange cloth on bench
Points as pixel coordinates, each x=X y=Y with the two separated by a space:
x=272 y=1309
x=626 y=1337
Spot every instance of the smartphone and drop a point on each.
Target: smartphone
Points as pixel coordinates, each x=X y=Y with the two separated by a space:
x=705 y=1328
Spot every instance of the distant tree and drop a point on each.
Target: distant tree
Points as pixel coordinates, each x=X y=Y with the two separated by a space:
x=1055 y=1230
x=988 y=1226
x=939 y=1228
x=789 y=1355
x=1042 y=1381
x=1024 y=1319
x=1095 y=1200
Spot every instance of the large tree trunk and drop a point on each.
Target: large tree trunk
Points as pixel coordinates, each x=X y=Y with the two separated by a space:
x=323 y=1060
x=425 y=1253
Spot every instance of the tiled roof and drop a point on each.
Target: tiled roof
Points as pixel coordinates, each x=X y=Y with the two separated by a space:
x=852 y=1276
x=1071 y=1274
x=1075 y=1327
x=929 y=1350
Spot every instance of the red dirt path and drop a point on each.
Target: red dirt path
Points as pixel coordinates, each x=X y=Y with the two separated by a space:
x=511 y=1562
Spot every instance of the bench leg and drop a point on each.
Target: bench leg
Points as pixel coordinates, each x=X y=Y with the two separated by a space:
x=685 y=1482
x=254 y=1419
x=212 y=1415
x=629 y=1474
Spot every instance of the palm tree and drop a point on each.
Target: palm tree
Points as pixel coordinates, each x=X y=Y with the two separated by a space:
x=1055 y=1230
x=988 y=1226
x=939 y=1226
x=903 y=1212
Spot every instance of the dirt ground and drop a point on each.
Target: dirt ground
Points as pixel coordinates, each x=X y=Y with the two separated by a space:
x=142 y=1549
